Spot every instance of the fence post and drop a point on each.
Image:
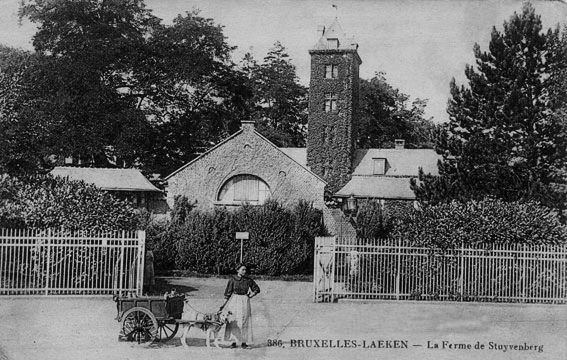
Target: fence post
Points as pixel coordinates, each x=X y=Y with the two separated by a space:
x=48 y=262
x=333 y=258
x=524 y=272
x=141 y=260
x=399 y=256
x=462 y=269
x=121 y=270
x=315 y=277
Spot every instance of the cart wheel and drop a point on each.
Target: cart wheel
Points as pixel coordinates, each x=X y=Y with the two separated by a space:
x=184 y=335
x=139 y=324
x=166 y=331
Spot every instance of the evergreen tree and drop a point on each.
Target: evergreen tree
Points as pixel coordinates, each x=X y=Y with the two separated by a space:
x=279 y=103
x=503 y=139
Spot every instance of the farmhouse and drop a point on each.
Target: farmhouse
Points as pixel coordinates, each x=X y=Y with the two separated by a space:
x=247 y=168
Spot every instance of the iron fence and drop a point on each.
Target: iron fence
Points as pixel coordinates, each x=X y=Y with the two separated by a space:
x=383 y=269
x=61 y=262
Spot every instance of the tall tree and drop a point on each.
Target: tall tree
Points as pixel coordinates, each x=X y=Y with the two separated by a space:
x=117 y=83
x=386 y=114
x=23 y=128
x=279 y=103
x=504 y=138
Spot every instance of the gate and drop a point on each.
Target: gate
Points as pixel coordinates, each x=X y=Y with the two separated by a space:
x=61 y=262
x=385 y=269
x=323 y=269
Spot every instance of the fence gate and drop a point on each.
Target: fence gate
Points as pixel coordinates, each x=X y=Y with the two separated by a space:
x=384 y=269
x=323 y=269
x=60 y=262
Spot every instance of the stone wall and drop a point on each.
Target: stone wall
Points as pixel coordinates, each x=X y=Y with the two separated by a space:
x=246 y=152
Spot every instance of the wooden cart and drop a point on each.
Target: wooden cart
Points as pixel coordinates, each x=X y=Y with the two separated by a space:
x=149 y=318
x=154 y=318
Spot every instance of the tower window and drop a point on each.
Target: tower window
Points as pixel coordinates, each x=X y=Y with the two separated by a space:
x=331 y=71
x=333 y=43
x=330 y=102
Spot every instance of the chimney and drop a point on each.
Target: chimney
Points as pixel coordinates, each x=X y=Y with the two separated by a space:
x=247 y=125
x=400 y=144
x=320 y=30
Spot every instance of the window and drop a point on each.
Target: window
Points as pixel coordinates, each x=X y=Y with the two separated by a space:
x=332 y=43
x=379 y=166
x=330 y=102
x=244 y=188
x=331 y=71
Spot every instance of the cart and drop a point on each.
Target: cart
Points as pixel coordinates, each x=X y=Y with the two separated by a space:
x=149 y=318
x=153 y=318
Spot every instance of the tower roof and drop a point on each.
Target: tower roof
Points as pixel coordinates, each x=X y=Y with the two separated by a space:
x=334 y=38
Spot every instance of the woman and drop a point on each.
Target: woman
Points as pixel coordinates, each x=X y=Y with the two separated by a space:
x=239 y=290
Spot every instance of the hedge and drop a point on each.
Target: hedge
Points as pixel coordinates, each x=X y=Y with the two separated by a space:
x=376 y=221
x=445 y=226
x=281 y=240
x=488 y=221
x=43 y=201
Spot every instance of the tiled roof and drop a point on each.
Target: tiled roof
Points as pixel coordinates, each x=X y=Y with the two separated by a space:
x=402 y=162
x=382 y=187
x=335 y=31
x=107 y=179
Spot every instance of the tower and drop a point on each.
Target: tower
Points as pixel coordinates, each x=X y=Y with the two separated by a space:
x=333 y=103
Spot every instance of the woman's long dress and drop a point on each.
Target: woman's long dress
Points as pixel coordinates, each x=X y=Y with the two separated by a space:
x=240 y=320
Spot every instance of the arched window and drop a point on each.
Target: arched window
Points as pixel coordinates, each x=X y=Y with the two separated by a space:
x=244 y=189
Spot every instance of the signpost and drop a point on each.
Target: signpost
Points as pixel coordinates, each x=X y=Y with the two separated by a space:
x=242 y=236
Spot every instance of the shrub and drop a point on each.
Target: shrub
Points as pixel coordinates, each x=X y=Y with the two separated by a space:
x=44 y=201
x=281 y=239
x=376 y=221
x=488 y=221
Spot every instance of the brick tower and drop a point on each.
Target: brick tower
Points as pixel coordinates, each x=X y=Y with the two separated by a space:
x=333 y=103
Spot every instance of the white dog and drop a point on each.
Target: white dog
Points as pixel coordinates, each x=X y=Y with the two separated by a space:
x=209 y=323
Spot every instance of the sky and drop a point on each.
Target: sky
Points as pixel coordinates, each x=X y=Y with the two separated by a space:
x=419 y=44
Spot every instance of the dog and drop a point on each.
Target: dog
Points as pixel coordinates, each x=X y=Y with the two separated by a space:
x=210 y=323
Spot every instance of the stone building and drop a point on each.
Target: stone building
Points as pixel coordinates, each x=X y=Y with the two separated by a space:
x=248 y=168
x=245 y=168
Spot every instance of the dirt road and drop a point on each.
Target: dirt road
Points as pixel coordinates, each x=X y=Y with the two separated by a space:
x=84 y=328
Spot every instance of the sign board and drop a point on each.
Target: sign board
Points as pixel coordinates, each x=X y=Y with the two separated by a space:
x=243 y=235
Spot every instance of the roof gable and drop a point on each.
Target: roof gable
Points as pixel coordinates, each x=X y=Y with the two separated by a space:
x=203 y=154
x=296 y=156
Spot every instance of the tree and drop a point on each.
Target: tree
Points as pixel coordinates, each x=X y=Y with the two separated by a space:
x=279 y=103
x=116 y=83
x=22 y=124
x=504 y=138
x=385 y=115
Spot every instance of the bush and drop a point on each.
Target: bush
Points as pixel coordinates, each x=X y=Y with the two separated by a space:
x=376 y=221
x=44 y=201
x=281 y=240
x=488 y=221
